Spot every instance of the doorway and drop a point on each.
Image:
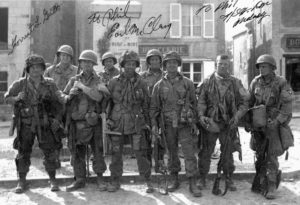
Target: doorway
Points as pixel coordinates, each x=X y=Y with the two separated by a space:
x=292 y=72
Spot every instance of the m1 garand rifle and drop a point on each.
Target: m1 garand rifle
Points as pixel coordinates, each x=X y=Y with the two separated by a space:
x=16 y=118
x=106 y=131
x=226 y=150
x=160 y=149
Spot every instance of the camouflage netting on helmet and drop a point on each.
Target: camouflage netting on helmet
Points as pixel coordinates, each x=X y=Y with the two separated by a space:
x=172 y=55
x=129 y=56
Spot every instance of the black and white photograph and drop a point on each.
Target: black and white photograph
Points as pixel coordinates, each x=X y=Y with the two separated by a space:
x=152 y=102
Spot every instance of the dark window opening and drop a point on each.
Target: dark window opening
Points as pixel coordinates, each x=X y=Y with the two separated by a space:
x=3 y=28
x=293 y=73
x=3 y=85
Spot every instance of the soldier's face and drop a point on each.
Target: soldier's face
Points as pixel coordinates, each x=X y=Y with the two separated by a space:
x=86 y=66
x=265 y=69
x=129 y=67
x=36 y=71
x=172 y=65
x=222 y=67
x=65 y=58
x=154 y=62
x=109 y=63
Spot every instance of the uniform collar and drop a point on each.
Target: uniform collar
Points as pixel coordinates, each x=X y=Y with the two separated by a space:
x=266 y=81
x=178 y=75
x=151 y=72
x=59 y=69
x=220 y=77
x=113 y=72
x=83 y=75
x=134 y=78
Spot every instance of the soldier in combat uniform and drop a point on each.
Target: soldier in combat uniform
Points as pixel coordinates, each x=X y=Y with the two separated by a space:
x=273 y=92
x=38 y=107
x=108 y=61
x=86 y=91
x=64 y=70
x=129 y=115
x=222 y=102
x=173 y=107
x=152 y=75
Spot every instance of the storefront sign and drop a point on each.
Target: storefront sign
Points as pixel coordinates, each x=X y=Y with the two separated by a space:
x=121 y=44
x=293 y=42
x=182 y=50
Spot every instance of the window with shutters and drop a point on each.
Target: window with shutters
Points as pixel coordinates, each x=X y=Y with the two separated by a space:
x=208 y=23
x=3 y=28
x=185 y=22
x=175 y=19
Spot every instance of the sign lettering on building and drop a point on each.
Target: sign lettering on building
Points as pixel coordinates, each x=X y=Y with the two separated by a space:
x=121 y=44
x=293 y=42
x=182 y=50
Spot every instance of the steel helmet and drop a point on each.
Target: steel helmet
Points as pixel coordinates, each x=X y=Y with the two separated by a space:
x=172 y=55
x=65 y=49
x=266 y=58
x=89 y=55
x=153 y=52
x=34 y=59
x=109 y=55
x=129 y=56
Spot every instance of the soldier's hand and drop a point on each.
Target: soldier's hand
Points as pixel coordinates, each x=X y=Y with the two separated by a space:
x=155 y=130
x=20 y=96
x=78 y=84
x=273 y=123
x=204 y=121
x=109 y=123
x=194 y=129
x=248 y=127
x=147 y=127
x=233 y=123
x=73 y=92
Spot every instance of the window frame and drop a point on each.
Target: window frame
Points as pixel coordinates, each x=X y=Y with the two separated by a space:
x=210 y=20
x=5 y=47
x=203 y=20
x=192 y=72
x=176 y=20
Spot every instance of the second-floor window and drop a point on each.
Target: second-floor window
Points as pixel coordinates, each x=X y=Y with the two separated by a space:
x=185 y=22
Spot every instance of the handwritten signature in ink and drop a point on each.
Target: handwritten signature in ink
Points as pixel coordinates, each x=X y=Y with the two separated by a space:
x=151 y=25
x=244 y=14
x=34 y=25
x=116 y=30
